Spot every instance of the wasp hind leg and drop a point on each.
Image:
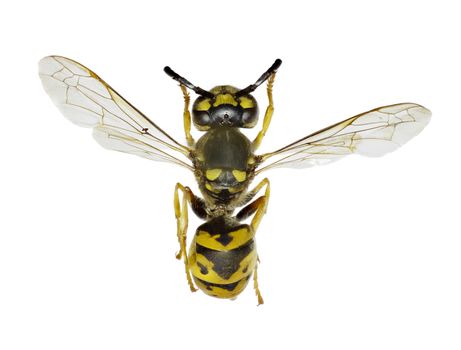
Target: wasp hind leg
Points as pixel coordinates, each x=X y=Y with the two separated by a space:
x=267 y=116
x=256 y=285
x=182 y=220
x=258 y=207
x=186 y=114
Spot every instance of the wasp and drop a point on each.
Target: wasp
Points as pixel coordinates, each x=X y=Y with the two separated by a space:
x=222 y=256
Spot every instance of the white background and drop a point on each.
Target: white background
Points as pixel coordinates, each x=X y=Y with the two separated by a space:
x=361 y=254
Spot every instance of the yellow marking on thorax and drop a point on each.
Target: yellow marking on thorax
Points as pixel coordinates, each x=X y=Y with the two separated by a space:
x=239 y=175
x=210 y=188
x=225 y=99
x=239 y=238
x=235 y=189
x=212 y=174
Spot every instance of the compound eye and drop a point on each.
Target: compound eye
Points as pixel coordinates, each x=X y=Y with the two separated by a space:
x=249 y=117
x=201 y=118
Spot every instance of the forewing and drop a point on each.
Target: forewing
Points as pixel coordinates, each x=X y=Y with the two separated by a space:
x=88 y=101
x=373 y=133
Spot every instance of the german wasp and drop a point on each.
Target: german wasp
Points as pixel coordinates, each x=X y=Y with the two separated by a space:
x=222 y=255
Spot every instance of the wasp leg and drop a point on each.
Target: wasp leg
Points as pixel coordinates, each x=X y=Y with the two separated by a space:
x=256 y=285
x=187 y=123
x=267 y=115
x=258 y=207
x=181 y=214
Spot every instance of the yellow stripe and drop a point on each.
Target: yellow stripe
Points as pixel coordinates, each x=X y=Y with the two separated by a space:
x=239 y=238
x=221 y=292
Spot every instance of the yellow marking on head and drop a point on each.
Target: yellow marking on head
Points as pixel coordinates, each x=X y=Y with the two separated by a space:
x=222 y=99
x=204 y=105
x=239 y=238
x=251 y=160
x=224 y=89
x=239 y=175
x=212 y=174
x=246 y=102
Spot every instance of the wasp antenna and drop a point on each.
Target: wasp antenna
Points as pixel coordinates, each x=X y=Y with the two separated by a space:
x=250 y=88
x=187 y=83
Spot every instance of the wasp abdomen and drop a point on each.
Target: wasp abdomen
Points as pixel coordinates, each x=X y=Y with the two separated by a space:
x=223 y=257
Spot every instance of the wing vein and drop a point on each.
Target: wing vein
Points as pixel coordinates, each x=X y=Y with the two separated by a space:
x=89 y=101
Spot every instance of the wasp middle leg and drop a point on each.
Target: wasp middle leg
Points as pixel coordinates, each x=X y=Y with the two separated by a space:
x=267 y=116
x=258 y=206
x=182 y=220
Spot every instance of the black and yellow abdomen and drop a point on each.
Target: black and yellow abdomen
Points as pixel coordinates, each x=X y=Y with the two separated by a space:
x=222 y=257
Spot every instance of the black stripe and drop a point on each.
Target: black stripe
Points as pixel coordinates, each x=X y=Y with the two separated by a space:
x=221 y=225
x=226 y=263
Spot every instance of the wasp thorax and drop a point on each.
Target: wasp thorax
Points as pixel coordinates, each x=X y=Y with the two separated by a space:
x=224 y=109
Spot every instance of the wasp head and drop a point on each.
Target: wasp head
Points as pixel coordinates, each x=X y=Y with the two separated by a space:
x=225 y=108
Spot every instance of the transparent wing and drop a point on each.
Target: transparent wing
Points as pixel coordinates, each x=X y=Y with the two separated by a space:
x=88 y=101
x=373 y=133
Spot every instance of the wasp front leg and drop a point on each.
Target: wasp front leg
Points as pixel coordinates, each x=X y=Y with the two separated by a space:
x=258 y=207
x=267 y=116
x=187 y=119
x=182 y=220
